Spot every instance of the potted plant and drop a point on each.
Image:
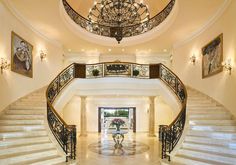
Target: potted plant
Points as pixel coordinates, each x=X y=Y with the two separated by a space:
x=95 y=72
x=135 y=72
x=117 y=123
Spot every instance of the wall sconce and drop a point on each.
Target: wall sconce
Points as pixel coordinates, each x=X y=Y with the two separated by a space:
x=227 y=65
x=42 y=55
x=4 y=65
x=193 y=59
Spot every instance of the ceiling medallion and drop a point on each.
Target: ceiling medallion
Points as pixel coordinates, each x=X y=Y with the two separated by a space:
x=118 y=18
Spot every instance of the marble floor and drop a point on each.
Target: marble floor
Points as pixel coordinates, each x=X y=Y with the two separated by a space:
x=96 y=149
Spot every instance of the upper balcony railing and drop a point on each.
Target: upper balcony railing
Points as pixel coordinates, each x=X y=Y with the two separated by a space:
x=66 y=134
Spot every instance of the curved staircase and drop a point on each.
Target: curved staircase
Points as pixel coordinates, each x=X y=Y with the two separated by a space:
x=23 y=135
x=210 y=136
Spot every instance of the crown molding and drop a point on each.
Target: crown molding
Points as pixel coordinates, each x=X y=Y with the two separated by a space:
x=9 y=5
x=207 y=25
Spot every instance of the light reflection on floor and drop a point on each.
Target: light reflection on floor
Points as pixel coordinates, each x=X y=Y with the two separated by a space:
x=147 y=156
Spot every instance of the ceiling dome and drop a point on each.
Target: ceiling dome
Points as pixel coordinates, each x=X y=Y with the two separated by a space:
x=118 y=18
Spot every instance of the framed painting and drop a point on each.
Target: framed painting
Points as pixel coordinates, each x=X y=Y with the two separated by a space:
x=21 y=56
x=212 y=57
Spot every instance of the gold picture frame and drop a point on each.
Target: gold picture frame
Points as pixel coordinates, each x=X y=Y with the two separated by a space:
x=212 y=57
x=21 y=56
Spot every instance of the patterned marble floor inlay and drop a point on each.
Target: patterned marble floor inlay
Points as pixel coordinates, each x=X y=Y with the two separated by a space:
x=129 y=147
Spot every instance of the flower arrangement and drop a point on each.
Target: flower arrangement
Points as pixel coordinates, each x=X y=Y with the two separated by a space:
x=117 y=123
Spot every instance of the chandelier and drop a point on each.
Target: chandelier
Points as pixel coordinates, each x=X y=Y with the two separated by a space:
x=118 y=14
x=118 y=18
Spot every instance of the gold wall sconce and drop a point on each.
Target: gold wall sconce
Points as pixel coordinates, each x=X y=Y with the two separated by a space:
x=42 y=55
x=4 y=65
x=227 y=65
x=193 y=59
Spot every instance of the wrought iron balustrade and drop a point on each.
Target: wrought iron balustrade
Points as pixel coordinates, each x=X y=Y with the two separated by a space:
x=66 y=134
x=127 y=31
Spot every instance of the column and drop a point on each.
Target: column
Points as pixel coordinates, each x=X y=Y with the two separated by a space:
x=83 y=117
x=151 y=132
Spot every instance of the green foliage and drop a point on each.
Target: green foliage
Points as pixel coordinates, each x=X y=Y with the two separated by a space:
x=118 y=113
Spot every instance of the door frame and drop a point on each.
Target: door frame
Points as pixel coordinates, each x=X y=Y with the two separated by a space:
x=100 y=111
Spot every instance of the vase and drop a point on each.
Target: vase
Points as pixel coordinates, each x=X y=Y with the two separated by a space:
x=117 y=127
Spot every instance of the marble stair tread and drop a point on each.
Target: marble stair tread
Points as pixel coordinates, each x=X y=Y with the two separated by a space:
x=49 y=160
x=21 y=127
x=212 y=122
x=213 y=134
x=16 y=122
x=14 y=142
x=26 y=148
x=223 y=116
x=207 y=155
x=13 y=134
x=204 y=112
x=191 y=160
x=23 y=156
x=26 y=112
x=213 y=128
x=21 y=117
x=26 y=107
x=211 y=148
x=204 y=108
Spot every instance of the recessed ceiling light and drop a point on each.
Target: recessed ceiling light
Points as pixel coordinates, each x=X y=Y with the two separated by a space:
x=82 y=50
x=164 y=50
x=69 y=50
x=109 y=50
x=123 y=50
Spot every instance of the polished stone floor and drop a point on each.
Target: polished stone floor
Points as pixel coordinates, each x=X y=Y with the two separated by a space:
x=96 y=149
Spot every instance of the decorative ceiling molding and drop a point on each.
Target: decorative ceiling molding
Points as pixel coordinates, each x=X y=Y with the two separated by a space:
x=9 y=5
x=207 y=25
x=129 y=41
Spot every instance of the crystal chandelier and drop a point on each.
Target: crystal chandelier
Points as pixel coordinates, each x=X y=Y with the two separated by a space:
x=118 y=14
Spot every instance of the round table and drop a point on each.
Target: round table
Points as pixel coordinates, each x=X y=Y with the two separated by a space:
x=118 y=137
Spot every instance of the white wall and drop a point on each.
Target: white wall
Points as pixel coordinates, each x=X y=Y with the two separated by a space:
x=12 y=85
x=222 y=86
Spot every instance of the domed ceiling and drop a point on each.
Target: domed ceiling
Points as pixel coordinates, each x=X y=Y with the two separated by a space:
x=45 y=17
x=82 y=6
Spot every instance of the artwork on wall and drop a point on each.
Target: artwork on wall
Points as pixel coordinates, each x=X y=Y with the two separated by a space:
x=21 y=56
x=212 y=57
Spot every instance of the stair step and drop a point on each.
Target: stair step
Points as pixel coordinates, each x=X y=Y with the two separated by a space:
x=26 y=107
x=25 y=122
x=212 y=122
x=205 y=108
x=23 y=141
x=211 y=148
x=20 y=127
x=55 y=159
x=211 y=141
x=213 y=134
x=27 y=156
x=192 y=112
x=213 y=128
x=21 y=117
x=26 y=148
x=13 y=134
x=211 y=116
x=207 y=156
x=26 y=112
x=189 y=160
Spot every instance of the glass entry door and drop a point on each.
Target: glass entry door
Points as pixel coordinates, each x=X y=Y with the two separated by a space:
x=107 y=114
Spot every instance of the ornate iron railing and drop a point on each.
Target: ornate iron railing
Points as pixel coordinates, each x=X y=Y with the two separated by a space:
x=66 y=134
x=170 y=135
x=127 y=31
